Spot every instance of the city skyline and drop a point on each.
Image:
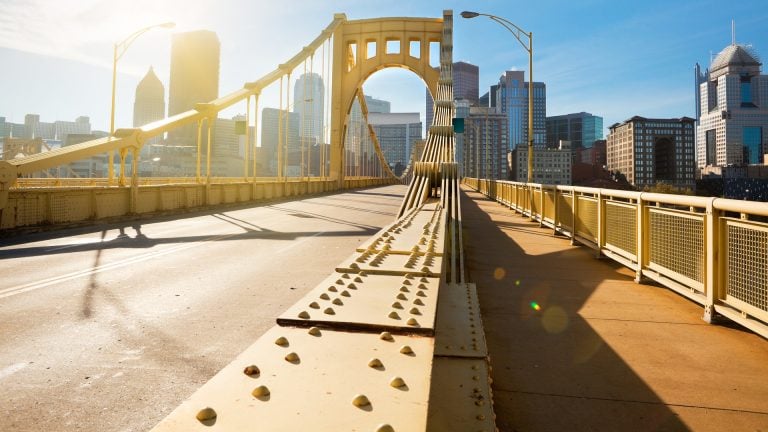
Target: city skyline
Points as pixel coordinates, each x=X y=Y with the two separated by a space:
x=642 y=53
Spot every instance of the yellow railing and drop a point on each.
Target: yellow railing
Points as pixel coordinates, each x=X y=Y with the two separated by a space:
x=712 y=250
x=50 y=205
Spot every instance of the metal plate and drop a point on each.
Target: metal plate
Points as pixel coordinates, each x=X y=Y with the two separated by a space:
x=347 y=301
x=459 y=328
x=428 y=264
x=420 y=231
x=316 y=390
x=460 y=396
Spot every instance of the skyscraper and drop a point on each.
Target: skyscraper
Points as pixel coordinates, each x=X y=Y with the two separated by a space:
x=466 y=81
x=733 y=127
x=308 y=102
x=194 y=77
x=149 y=104
x=581 y=129
x=397 y=133
x=484 y=147
x=649 y=151
x=512 y=98
x=278 y=129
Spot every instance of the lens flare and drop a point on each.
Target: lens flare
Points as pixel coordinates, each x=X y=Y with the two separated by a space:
x=535 y=306
x=517 y=282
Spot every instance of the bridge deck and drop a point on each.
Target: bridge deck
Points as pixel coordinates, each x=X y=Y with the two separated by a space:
x=575 y=344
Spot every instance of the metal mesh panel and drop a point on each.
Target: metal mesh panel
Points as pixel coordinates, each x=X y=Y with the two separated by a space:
x=172 y=199
x=535 y=202
x=147 y=200
x=112 y=203
x=586 y=214
x=194 y=196
x=621 y=226
x=229 y=193
x=70 y=207
x=747 y=277
x=549 y=205
x=677 y=243
x=30 y=210
x=565 y=211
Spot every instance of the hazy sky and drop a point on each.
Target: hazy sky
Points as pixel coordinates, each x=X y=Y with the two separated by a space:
x=613 y=58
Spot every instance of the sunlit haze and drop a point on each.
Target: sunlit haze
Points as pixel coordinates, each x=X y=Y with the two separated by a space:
x=612 y=59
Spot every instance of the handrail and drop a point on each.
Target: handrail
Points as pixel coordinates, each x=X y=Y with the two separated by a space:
x=135 y=138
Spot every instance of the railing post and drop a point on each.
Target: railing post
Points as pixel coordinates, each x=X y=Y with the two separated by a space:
x=600 y=223
x=575 y=215
x=713 y=262
x=642 y=245
x=541 y=205
x=134 y=200
x=554 y=210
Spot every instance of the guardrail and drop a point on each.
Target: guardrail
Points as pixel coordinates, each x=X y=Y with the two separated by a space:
x=52 y=205
x=713 y=251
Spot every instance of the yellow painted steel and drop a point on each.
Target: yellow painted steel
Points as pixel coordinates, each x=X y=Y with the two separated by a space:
x=358 y=366
x=718 y=261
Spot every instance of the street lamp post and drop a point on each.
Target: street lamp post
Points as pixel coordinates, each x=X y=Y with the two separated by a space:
x=119 y=50
x=518 y=33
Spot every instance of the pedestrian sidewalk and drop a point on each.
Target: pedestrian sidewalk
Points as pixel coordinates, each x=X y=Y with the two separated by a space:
x=576 y=345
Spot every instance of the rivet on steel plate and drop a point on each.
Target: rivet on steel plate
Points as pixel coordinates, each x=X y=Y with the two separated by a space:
x=354 y=266
x=362 y=273
x=418 y=302
x=423 y=279
x=480 y=417
x=292 y=357
x=394 y=315
x=339 y=282
x=415 y=311
x=407 y=282
x=358 y=279
x=375 y=363
x=260 y=391
x=397 y=305
x=397 y=382
x=346 y=293
x=474 y=367
x=332 y=288
x=251 y=370
x=329 y=311
x=304 y=315
x=325 y=296
x=281 y=341
x=314 y=331
x=352 y=286
x=405 y=349
x=409 y=275
x=425 y=269
x=421 y=294
x=422 y=286
x=360 y=401
x=206 y=414
x=402 y=296
x=344 y=276
x=338 y=302
x=314 y=305
x=412 y=322
x=404 y=289
x=475 y=378
x=385 y=428
x=387 y=336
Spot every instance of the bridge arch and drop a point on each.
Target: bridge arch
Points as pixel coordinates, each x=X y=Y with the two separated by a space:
x=363 y=47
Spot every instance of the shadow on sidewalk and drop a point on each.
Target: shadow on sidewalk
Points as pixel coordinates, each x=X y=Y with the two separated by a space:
x=551 y=370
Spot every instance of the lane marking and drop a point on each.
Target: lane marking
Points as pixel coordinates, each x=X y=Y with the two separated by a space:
x=12 y=369
x=18 y=289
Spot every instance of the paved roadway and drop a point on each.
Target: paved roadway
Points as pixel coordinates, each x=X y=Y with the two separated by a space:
x=109 y=329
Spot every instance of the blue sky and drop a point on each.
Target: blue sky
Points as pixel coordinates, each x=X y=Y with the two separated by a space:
x=613 y=58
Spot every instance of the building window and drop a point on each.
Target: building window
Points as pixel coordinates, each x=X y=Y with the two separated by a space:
x=711 y=147
x=753 y=144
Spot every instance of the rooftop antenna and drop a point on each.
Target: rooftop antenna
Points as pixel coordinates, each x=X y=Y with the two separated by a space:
x=733 y=32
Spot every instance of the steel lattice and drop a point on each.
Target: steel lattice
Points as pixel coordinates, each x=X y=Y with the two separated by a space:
x=586 y=218
x=747 y=277
x=621 y=226
x=677 y=243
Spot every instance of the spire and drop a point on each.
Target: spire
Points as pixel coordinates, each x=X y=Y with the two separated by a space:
x=733 y=32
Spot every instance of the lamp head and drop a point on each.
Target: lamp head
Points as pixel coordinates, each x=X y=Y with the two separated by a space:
x=469 y=14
